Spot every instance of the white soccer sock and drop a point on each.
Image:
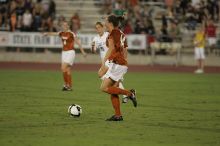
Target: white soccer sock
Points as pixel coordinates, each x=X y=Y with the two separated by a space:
x=122 y=87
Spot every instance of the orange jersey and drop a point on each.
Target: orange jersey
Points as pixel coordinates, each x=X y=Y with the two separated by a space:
x=67 y=40
x=118 y=54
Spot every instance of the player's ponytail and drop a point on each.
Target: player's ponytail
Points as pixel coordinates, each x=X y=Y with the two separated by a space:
x=120 y=19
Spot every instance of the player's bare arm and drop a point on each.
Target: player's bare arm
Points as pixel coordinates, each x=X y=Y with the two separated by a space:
x=50 y=33
x=110 y=48
x=103 y=68
x=80 y=47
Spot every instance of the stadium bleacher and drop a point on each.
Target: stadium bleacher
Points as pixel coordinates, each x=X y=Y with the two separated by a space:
x=91 y=11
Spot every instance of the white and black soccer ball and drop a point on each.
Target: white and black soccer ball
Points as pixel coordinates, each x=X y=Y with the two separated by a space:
x=75 y=110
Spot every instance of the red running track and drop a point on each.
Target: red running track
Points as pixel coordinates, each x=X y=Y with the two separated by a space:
x=95 y=67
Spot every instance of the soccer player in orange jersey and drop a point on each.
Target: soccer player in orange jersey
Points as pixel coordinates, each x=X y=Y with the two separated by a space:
x=99 y=43
x=117 y=68
x=68 y=53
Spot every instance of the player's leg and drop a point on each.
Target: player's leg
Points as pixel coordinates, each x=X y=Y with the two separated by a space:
x=114 y=90
x=118 y=91
x=69 y=77
x=116 y=73
x=202 y=60
x=107 y=83
x=202 y=64
x=64 y=68
x=197 y=58
x=116 y=105
x=102 y=72
x=120 y=84
x=67 y=61
x=104 y=68
x=124 y=98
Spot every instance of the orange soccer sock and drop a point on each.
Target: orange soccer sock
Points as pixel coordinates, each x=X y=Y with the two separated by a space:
x=116 y=104
x=118 y=91
x=69 y=80
x=65 y=78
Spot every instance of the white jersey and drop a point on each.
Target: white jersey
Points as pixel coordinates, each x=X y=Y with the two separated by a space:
x=100 y=43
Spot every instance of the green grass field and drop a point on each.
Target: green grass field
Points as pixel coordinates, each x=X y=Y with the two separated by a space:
x=173 y=110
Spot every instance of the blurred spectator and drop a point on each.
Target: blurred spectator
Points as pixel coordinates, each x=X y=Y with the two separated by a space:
x=190 y=11
x=13 y=21
x=118 y=8
x=139 y=27
x=52 y=9
x=45 y=6
x=75 y=22
x=169 y=4
x=37 y=8
x=163 y=34
x=174 y=32
x=127 y=28
x=133 y=3
x=28 y=5
x=3 y=15
x=211 y=35
x=202 y=15
x=150 y=32
x=117 y=5
x=212 y=6
x=195 y=3
x=27 y=20
x=164 y=21
x=58 y=26
x=146 y=12
x=19 y=11
x=183 y=5
x=27 y=15
x=12 y=7
x=37 y=21
x=191 y=21
x=175 y=36
x=45 y=17
x=49 y=26
x=199 y=43
x=107 y=6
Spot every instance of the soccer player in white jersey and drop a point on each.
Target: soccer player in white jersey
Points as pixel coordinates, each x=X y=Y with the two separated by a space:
x=99 y=43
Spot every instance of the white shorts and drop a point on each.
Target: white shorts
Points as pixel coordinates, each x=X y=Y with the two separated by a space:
x=116 y=72
x=102 y=55
x=199 y=53
x=107 y=63
x=68 y=57
x=212 y=41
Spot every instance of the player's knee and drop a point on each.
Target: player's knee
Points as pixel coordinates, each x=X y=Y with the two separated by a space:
x=100 y=74
x=102 y=71
x=64 y=69
x=103 y=89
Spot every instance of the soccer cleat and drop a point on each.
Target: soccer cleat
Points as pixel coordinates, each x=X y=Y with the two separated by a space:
x=115 y=118
x=133 y=97
x=65 y=88
x=124 y=99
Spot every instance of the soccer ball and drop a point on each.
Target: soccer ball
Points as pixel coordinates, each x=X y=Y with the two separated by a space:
x=75 y=110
